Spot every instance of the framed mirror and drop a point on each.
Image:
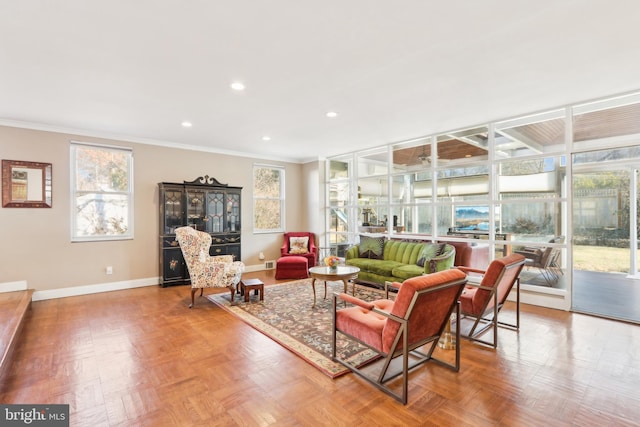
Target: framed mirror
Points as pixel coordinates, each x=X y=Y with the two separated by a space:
x=26 y=184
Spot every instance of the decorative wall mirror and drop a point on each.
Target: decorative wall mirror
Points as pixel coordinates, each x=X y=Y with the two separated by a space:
x=26 y=184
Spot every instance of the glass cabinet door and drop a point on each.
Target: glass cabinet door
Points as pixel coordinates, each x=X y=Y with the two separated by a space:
x=196 y=209
x=173 y=211
x=215 y=212
x=233 y=212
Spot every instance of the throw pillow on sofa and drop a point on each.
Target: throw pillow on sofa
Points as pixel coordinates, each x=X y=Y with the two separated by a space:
x=371 y=247
x=298 y=245
x=430 y=250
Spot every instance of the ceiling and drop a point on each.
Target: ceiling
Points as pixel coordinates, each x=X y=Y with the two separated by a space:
x=393 y=71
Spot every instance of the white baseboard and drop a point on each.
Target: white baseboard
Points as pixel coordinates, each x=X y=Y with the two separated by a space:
x=94 y=289
x=256 y=267
x=13 y=286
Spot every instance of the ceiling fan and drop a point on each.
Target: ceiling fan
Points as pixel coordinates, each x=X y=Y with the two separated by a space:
x=426 y=159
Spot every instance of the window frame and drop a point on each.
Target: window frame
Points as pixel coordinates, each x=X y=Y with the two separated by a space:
x=74 y=192
x=282 y=199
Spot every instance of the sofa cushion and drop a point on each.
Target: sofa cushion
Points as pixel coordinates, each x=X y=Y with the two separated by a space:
x=430 y=250
x=383 y=267
x=407 y=271
x=362 y=263
x=371 y=247
x=402 y=251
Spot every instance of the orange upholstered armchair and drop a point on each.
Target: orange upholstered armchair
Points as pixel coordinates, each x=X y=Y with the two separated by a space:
x=301 y=243
x=482 y=301
x=398 y=329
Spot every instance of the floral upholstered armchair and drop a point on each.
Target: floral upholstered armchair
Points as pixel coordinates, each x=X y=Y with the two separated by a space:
x=207 y=271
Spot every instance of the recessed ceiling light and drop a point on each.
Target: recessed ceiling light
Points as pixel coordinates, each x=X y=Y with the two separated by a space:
x=266 y=138
x=332 y=114
x=237 y=86
x=186 y=124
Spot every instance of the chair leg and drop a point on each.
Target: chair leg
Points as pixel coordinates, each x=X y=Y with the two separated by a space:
x=232 y=289
x=193 y=293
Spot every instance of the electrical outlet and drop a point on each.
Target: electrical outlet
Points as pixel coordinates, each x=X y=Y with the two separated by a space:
x=109 y=270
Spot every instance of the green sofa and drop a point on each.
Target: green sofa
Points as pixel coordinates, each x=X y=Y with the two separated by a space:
x=399 y=260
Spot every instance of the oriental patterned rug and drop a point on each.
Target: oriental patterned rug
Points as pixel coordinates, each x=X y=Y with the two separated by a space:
x=286 y=316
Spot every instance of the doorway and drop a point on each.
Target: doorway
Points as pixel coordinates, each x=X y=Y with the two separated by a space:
x=605 y=236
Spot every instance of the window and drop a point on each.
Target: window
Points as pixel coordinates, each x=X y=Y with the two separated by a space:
x=101 y=192
x=268 y=199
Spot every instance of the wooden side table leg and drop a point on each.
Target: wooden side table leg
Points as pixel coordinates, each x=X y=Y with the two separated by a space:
x=313 y=287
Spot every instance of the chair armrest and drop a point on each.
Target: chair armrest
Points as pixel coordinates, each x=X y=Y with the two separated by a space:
x=312 y=246
x=366 y=305
x=352 y=252
x=353 y=300
x=470 y=269
x=532 y=254
x=394 y=285
x=478 y=285
x=224 y=265
x=224 y=259
x=528 y=250
x=441 y=262
x=236 y=267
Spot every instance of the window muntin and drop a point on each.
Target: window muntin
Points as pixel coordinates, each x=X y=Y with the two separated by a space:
x=101 y=192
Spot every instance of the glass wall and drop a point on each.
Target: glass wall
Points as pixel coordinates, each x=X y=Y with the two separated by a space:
x=505 y=183
x=340 y=205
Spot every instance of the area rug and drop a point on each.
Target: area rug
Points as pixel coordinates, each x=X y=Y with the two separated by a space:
x=286 y=315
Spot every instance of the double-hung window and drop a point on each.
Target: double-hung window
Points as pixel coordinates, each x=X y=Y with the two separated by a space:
x=101 y=192
x=268 y=199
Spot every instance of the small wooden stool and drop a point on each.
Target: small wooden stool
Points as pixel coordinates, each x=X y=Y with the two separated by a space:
x=246 y=285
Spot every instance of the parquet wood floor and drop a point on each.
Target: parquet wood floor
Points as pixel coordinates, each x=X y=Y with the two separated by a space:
x=140 y=357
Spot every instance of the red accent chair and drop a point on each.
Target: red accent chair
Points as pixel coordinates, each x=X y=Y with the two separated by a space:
x=297 y=246
x=481 y=302
x=398 y=329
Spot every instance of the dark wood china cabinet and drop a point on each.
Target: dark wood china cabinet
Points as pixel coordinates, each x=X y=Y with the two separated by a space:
x=206 y=205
